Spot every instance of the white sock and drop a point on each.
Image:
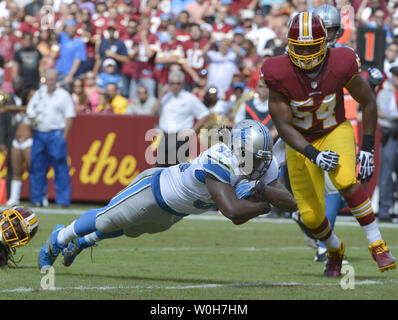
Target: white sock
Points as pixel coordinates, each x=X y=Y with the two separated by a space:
x=321 y=250
x=91 y=238
x=372 y=232
x=332 y=242
x=67 y=234
x=15 y=192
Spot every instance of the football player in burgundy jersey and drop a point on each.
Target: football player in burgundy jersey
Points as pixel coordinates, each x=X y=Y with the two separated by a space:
x=307 y=107
x=333 y=200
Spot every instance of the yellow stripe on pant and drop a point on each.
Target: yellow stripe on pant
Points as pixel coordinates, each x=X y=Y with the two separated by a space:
x=307 y=179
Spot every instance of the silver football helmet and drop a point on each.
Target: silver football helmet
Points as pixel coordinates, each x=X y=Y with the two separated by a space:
x=332 y=19
x=252 y=145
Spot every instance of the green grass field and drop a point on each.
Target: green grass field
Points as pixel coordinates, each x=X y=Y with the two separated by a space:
x=202 y=258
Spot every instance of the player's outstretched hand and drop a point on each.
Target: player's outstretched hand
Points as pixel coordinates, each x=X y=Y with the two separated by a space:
x=366 y=165
x=244 y=189
x=375 y=76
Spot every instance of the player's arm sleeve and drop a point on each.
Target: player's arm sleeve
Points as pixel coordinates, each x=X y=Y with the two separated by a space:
x=272 y=172
x=217 y=171
x=268 y=77
x=218 y=166
x=351 y=65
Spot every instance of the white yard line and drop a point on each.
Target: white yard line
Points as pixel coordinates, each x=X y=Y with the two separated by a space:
x=203 y=286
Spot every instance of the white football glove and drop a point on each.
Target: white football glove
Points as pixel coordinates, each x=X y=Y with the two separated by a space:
x=327 y=160
x=366 y=165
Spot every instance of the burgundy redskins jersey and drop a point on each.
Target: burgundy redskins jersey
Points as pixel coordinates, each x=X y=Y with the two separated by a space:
x=317 y=104
x=193 y=52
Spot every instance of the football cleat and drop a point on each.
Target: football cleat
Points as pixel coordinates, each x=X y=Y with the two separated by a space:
x=73 y=249
x=334 y=262
x=382 y=255
x=12 y=202
x=321 y=255
x=50 y=250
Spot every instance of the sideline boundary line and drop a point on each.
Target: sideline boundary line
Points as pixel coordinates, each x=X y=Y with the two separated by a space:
x=202 y=286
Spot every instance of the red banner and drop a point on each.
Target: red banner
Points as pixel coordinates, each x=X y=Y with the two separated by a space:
x=105 y=153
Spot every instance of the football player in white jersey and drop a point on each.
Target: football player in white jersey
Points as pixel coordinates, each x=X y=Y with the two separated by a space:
x=219 y=178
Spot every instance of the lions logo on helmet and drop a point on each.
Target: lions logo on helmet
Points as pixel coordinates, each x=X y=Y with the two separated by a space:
x=307 y=40
x=18 y=225
x=332 y=19
x=252 y=145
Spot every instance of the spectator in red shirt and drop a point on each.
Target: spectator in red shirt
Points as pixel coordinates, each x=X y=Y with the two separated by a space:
x=220 y=27
x=126 y=15
x=170 y=52
x=237 y=5
x=8 y=41
x=87 y=32
x=129 y=70
x=193 y=53
x=29 y=25
x=146 y=44
x=100 y=19
x=182 y=24
x=152 y=10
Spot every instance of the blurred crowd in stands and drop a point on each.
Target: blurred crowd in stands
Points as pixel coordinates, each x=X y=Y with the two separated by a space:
x=115 y=55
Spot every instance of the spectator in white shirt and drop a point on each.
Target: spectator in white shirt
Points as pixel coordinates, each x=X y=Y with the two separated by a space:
x=391 y=59
x=178 y=109
x=143 y=105
x=260 y=34
x=51 y=111
x=222 y=65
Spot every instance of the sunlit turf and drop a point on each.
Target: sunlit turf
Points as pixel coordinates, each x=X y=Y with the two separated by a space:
x=202 y=259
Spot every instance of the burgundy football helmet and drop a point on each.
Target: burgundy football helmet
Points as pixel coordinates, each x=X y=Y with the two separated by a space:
x=18 y=225
x=307 y=40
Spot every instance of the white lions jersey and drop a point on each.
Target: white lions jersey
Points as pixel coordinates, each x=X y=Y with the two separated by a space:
x=181 y=189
